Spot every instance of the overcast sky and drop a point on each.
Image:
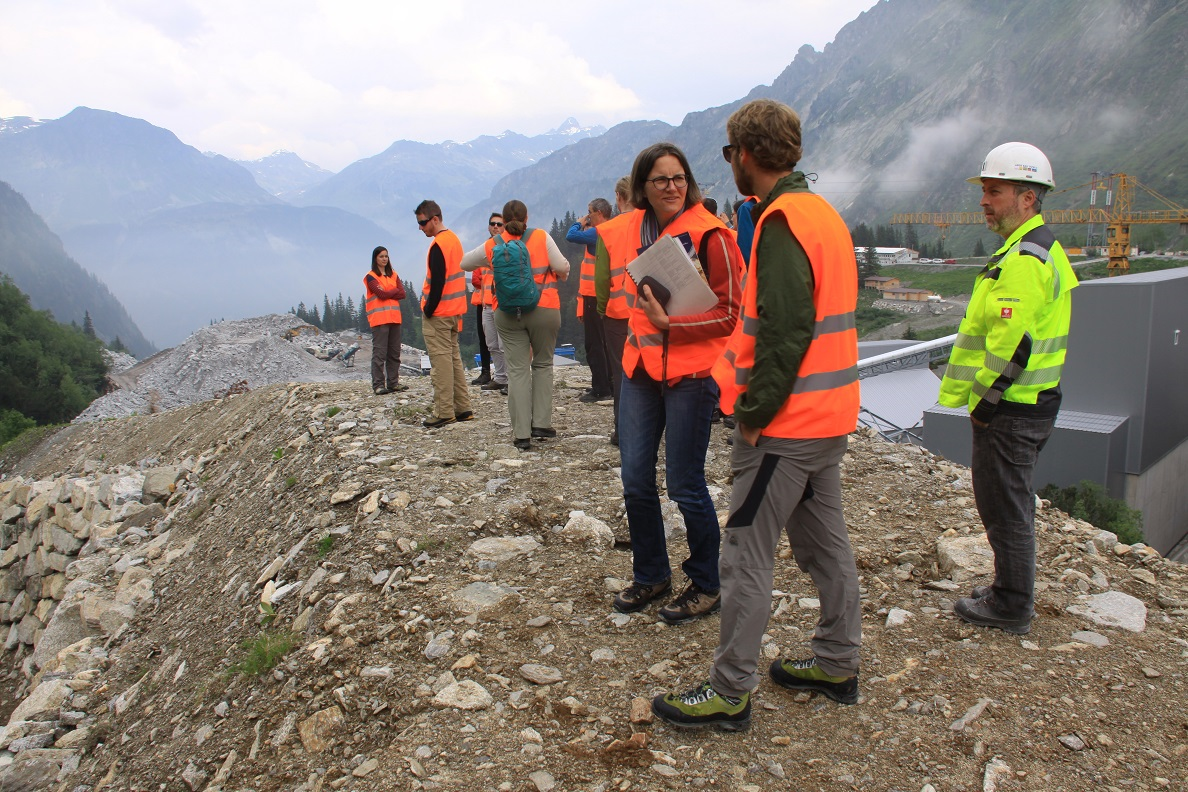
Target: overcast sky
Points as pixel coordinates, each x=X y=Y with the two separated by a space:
x=338 y=80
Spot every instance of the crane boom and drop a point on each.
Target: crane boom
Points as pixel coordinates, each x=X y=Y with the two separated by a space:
x=1117 y=218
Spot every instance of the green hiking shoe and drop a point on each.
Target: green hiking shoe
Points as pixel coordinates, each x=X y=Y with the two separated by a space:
x=703 y=706
x=807 y=675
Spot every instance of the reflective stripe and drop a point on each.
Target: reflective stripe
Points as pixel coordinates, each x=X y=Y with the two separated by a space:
x=986 y=393
x=750 y=325
x=972 y=343
x=1040 y=376
x=646 y=340
x=826 y=380
x=962 y=373
x=837 y=323
x=1001 y=365
x=1047 y=345
x=1037 y=251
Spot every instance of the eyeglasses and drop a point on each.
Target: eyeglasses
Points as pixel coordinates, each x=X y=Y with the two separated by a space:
x=728 y=152
x=423 y=222
x=661 y=182
x=497 y=225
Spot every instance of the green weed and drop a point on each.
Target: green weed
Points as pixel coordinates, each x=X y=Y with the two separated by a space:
x=325 y=545
x=278 y=453
x=290 y=482
x=263 y=653
x=332 y=411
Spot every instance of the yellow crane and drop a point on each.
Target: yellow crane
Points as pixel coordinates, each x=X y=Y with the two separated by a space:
x=1117 y=216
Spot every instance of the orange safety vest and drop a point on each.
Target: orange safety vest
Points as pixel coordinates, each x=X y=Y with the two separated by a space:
x=453 y=293
x=538 y=256
x=824 y=399
x=379 y=310
x=614 y=234
x=586 y=284
x=645 y=341
x=488 y=276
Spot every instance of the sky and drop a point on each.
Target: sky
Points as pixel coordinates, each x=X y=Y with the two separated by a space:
x=339 y=80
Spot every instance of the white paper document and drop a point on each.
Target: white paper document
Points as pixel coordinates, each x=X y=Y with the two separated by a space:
x=667 y=261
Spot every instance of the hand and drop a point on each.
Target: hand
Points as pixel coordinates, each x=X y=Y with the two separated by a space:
x=653 y=309
x=977 y=423
x=750 y=434
x=585 y=221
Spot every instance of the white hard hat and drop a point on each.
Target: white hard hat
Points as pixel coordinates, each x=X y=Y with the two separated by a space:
x=1018 y=162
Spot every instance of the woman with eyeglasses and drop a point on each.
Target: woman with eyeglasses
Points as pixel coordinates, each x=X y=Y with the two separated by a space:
x=667 y=389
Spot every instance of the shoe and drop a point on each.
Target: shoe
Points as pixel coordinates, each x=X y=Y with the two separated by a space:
x=807 y=675
x=382 y=391
x=542 y=433
x=591 y=397
x=692 y=603
x=523 y=443
x=981 y=612
x=435 y=423
x=728 y=421
x=397 y=388
x=493 y=385
x=482 y=379
x=467 y=415
x=637 y=596
x=716 y=415
x=979 y=592
x=614 y=438
x=703 y=706
x=503 y=390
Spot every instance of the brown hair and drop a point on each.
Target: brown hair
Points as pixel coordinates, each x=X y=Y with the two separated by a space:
x=375 y=263
x=428 y=208
x=515 y=217
x=644 y=162
x=770 y=130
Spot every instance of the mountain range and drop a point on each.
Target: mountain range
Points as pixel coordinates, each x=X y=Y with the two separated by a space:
x=33 y=256
x=897 y=111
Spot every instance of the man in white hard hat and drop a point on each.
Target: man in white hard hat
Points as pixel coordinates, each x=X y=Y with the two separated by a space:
x=1005 y=369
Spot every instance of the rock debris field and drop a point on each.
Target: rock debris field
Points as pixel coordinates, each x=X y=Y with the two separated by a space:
x=300 y=588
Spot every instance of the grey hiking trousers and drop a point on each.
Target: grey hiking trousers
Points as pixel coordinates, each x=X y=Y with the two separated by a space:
x=792 y=485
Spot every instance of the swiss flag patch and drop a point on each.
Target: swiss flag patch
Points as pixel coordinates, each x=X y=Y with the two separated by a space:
x=1006 y=313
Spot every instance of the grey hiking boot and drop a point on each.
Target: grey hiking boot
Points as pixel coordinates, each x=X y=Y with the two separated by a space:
x=983 y=613
x=692 y=603
x=637 y=596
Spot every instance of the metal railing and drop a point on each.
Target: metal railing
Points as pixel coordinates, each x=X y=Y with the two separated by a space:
x=915 y=356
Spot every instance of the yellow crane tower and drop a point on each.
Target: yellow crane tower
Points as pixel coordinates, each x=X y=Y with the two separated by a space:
x=1117 y=216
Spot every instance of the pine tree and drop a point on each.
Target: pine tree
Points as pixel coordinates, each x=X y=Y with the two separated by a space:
x=88 y=325
x=910 y=240
x=979 y=248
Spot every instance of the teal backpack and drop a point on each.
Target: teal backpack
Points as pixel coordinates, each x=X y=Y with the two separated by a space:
x=515 y=288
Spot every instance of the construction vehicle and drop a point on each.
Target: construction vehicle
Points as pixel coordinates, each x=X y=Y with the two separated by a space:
x=1117 y=216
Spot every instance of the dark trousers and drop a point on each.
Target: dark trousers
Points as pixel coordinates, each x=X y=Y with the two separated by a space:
x=614 y=332
x=385 y=356
x=596 y=358
x=1004 y=457
x=681 y=415
x=484 y=352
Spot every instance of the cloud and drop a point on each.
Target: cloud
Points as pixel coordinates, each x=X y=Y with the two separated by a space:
x=336 y=80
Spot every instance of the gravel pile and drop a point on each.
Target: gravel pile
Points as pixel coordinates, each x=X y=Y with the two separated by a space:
x=219 y=357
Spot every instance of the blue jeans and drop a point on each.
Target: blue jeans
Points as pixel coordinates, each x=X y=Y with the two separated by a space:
x=646 y=412
x=1004 y=457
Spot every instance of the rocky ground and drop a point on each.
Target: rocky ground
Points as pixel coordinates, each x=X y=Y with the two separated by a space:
x=441 y=605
